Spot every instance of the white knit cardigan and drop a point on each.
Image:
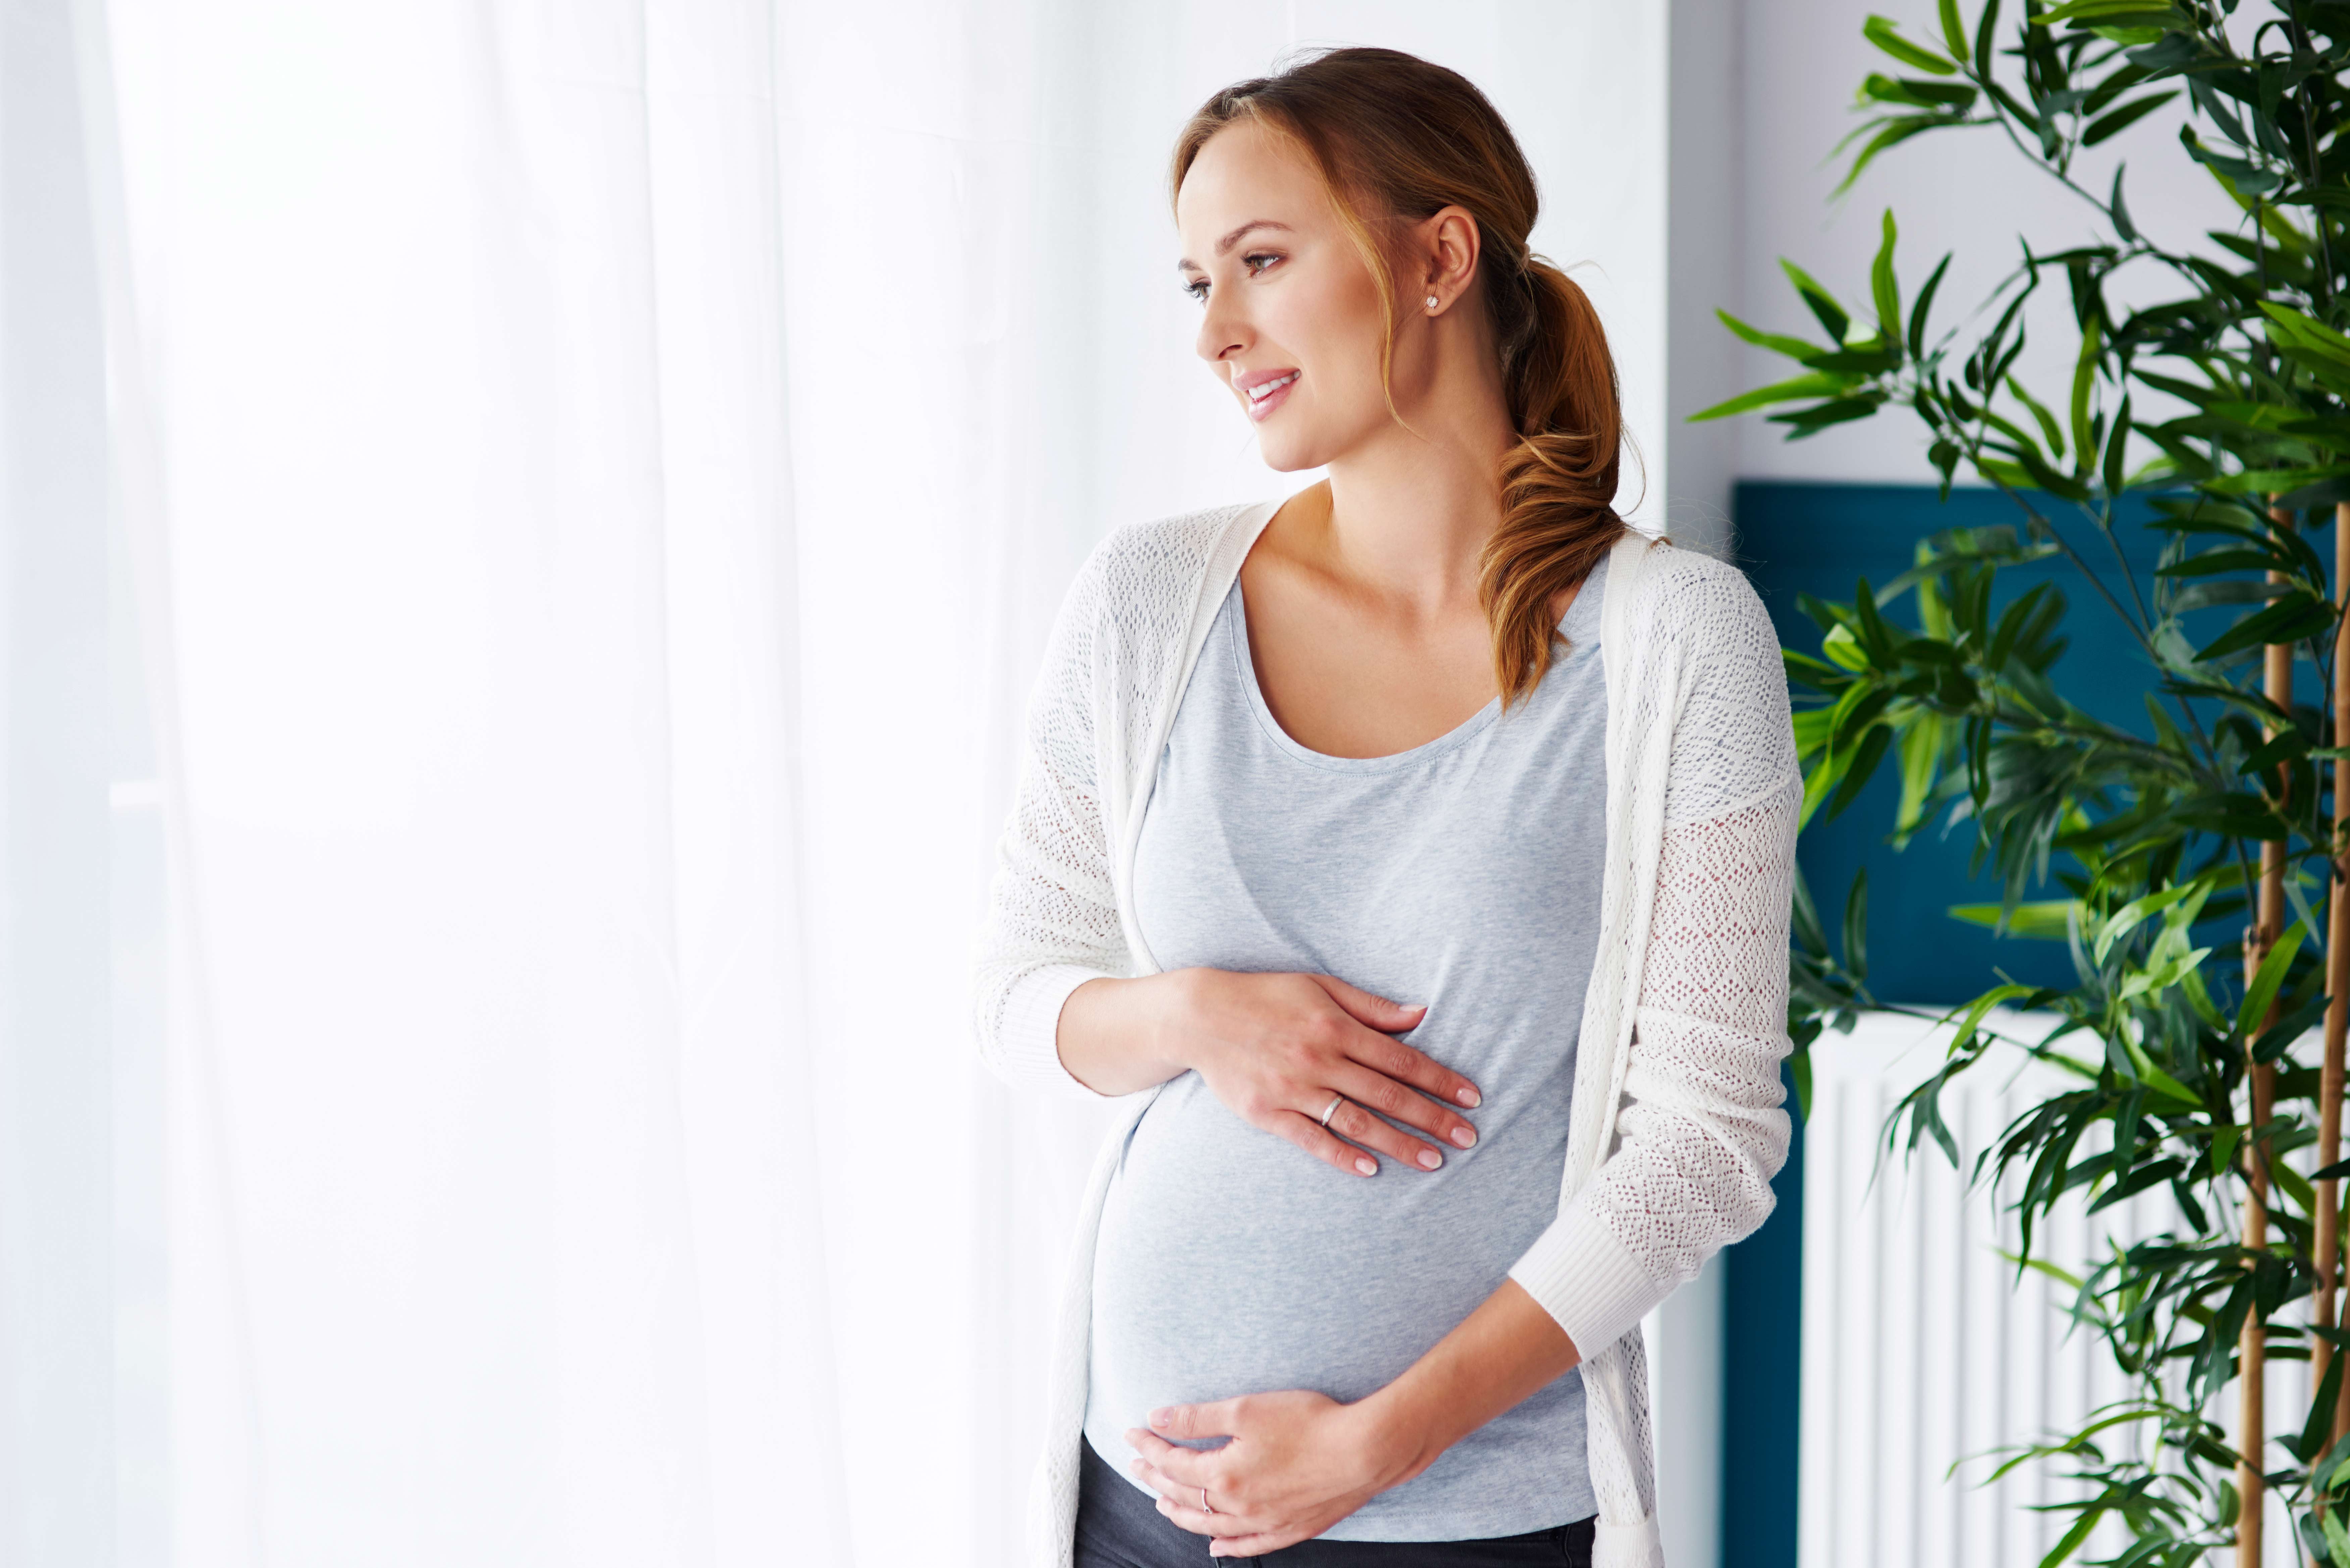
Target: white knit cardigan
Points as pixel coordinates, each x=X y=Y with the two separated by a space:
x=1675 y=1125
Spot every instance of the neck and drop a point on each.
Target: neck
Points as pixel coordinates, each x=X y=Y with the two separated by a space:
x=1408 y=517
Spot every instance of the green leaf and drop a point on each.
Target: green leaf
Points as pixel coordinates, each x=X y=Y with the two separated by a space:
x=2115 y=13
x=1921 y=755
x=1891 y=131
x=2122 y=223
x=2070 y=1542
x=2135 y=913
x=2117 y=474
x=1793 y=348
x=1808 y=421
x=2293 y=618
x=2265 y=981
x=1972 y=1017
x=1918 y=312
x=1855 y=925
x=2047 y=422
x=1944 y=97
x=2043 y=920
x=1813 y=386
x=1844 y=648
x=2117 y=120
x=2138 y=1182
x=2337 y=1540
x=2157 y=1078
x=1819 y=301
x=2319 y=1425
x=2288 y=325
x=1883 y=285
x=2085 y=382
x=1954 y=35
x=2163 y=975
x=1883 y=31
x=1864 y=764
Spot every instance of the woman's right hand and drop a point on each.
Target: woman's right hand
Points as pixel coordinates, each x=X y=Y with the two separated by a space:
x=1275 y=1047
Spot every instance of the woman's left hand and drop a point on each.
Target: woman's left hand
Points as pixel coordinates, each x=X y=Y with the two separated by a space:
x=1298 y=1462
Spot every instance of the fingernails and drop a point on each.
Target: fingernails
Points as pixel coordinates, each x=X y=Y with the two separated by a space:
x=1464 y=1135
x=1429 y=1160
x=1467 y=1095
x=1159 y=1420
x=1367 y=1166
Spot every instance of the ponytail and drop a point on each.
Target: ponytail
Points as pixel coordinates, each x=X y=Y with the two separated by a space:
x=1558 y=482
x=1413 y=138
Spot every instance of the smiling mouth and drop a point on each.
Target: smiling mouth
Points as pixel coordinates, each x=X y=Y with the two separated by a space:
x=1265 y=389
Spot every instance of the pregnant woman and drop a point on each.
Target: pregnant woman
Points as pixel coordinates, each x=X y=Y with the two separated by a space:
x=1412 y=860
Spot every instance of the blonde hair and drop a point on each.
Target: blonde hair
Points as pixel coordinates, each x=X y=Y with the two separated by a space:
x=1408 y=138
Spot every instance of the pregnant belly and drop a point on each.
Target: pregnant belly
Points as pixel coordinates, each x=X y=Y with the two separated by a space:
x=1231 y=1262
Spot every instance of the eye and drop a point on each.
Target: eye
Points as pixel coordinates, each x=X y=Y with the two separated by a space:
x=1196 y=287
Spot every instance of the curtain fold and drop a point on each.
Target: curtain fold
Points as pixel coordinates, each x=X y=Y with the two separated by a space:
x=599 y=473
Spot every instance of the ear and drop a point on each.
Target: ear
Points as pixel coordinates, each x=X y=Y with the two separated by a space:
x=1450 y=244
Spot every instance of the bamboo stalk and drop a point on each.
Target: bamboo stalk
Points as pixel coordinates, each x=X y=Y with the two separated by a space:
x=2251 y=1440
x=2338 y=991
x=2326 y=1312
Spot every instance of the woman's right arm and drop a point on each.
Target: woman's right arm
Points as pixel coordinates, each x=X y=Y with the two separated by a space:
x=1275 y=1048
x=1054 y=1010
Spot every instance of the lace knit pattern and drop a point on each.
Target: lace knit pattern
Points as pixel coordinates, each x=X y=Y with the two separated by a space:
x=1114 y=669
x=1677 y=1126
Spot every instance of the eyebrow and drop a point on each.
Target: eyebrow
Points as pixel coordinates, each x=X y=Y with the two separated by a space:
x=1229 y=241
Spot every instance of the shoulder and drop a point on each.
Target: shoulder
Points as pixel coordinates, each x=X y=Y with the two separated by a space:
x=1164 y=558
x=1141 y=581
x=1696 y=603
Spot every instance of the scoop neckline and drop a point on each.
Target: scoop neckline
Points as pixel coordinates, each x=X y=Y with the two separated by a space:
x=1244 y=664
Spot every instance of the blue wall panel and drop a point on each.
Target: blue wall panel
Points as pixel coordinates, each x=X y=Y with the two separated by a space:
x=1795 y=539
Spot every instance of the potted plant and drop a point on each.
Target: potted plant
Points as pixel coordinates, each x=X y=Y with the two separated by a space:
x=2192 y=860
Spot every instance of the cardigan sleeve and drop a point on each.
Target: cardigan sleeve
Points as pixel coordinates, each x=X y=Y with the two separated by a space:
x=1700 y=1131
x=1051 y=921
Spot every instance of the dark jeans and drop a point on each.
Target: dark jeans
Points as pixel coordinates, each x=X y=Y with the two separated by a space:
x=1119 y=1526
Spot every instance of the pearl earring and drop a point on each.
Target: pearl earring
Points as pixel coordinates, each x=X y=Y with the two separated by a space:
x=1432 y=301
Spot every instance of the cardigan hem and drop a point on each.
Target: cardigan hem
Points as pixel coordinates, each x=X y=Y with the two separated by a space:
x=1583 y=1276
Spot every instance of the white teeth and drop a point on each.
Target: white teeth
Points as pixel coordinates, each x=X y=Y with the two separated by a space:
x=1258 y=393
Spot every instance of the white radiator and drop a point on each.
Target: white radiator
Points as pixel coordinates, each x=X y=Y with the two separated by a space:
x=1922 y=1348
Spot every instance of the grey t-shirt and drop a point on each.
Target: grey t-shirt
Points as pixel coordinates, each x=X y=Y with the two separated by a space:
x=1464 y=873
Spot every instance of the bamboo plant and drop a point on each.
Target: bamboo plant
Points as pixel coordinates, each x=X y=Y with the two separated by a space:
x=2191 y=857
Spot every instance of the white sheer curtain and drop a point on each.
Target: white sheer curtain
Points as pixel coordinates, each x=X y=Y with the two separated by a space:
x=597 y=474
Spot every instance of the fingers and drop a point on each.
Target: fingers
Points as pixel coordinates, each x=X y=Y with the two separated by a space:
x=1217 y=1523
x=1352 y=1122
x=1367 y=1091
x=1384 y=1053
x=1180 y=1465
x=1309 y=1135
x=1217 y=1418
x=1373 y=1011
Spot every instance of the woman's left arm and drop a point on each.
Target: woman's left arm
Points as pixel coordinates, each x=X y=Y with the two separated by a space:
x=1700 y=1133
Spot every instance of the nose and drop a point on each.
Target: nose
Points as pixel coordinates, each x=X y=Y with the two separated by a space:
x=1222 y=332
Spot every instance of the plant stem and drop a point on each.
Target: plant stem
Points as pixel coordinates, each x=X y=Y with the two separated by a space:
x=2338 y=991
x=2260 y=1079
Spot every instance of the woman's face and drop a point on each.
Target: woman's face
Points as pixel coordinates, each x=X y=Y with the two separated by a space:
x=1290 y=309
